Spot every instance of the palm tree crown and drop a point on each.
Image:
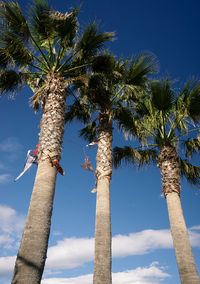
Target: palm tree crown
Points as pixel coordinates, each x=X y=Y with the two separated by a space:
x=110 y=87
x=166 y=117
x=47 y=40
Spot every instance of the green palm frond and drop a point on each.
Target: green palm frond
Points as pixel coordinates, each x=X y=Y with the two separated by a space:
x=65 y=26
x=10 y=81
x=139 y=68
x=194 y=102
x=5 y=58
x=125 y=120
x=92 y=41
x=190 y=172
x=89 y=133
x=134 y=156
x=141 y=109
x=103 y=64
x=97 y=91
x=13 y=20
x=162 y=95
x=79 y=111
x=192 y=146
x=15 y=49
x=41 y=22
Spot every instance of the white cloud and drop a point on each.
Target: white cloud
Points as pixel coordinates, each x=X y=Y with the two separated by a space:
x=56 y=233
x=153 y=274
x=10 y=144
x=194 y=236
x=70 y=253
x=10 y=221
x=141 y=243
x=2 y=166
x=11 y=147
x=7 y=265
x=4 y=178
x=11 y=225
x=74 y=252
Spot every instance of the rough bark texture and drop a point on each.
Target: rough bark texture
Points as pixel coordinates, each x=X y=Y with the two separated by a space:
x=102 y=262
x=31 y=257
x=170 y=171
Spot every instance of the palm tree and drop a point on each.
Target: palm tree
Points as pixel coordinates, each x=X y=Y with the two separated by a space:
x=103 y=98
x=163 y=123
x=45 y=51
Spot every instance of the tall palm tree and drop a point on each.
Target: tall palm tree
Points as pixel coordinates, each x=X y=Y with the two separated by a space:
x=103 y=98
x=164 y=122
x=45 y=51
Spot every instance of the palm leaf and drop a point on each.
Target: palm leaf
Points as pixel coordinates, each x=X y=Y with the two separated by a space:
x=192 y=146
x=103 y=64
x=125 y=120
x=89 y=132
x=5 y=58
x=65 y=26
x=139 y=68
x=92 y=41
x=15 y=49
x=79 y=111
x=41 y=22
x=162 y=95
x=190 y=172
x=194 y=102
x=10 y=81
x=12 y=19
x=136 y=157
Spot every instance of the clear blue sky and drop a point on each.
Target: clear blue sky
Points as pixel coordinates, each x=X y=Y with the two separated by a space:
x=142 y=248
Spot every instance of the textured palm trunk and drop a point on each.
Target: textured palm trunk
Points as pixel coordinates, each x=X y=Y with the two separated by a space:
x=170 y=171
x=31 y=257
x=102 y=262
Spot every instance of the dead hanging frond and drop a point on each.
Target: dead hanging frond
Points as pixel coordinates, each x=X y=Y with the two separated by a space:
x=55 y=15
x=39 y=97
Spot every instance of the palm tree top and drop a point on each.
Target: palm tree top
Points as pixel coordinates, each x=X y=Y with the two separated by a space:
x=44 y=41
x=164 y=117
x=109 y=87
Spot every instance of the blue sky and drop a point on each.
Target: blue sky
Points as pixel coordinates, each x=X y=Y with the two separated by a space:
x=142 y=247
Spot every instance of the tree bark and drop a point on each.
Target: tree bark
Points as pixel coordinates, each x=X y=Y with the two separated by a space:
x=32 y=253
x=184 y=256
x=170 y=171
x=102 y=262
x=31 y=257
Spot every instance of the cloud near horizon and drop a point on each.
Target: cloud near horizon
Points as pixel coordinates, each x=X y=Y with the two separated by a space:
x=11 y=226
x=154 y=274
x=70 y=253
x=74 y=252
x=10 y=147
x=5 y=178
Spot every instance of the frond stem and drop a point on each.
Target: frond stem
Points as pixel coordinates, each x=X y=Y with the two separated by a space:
x=38 y=47
x=30 y=64
x=184 y=133
x=77 y=67
x=40 y=61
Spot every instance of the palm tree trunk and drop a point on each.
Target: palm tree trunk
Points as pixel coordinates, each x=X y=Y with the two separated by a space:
x=31 y=257
x=102 y=262
x=170 y=171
